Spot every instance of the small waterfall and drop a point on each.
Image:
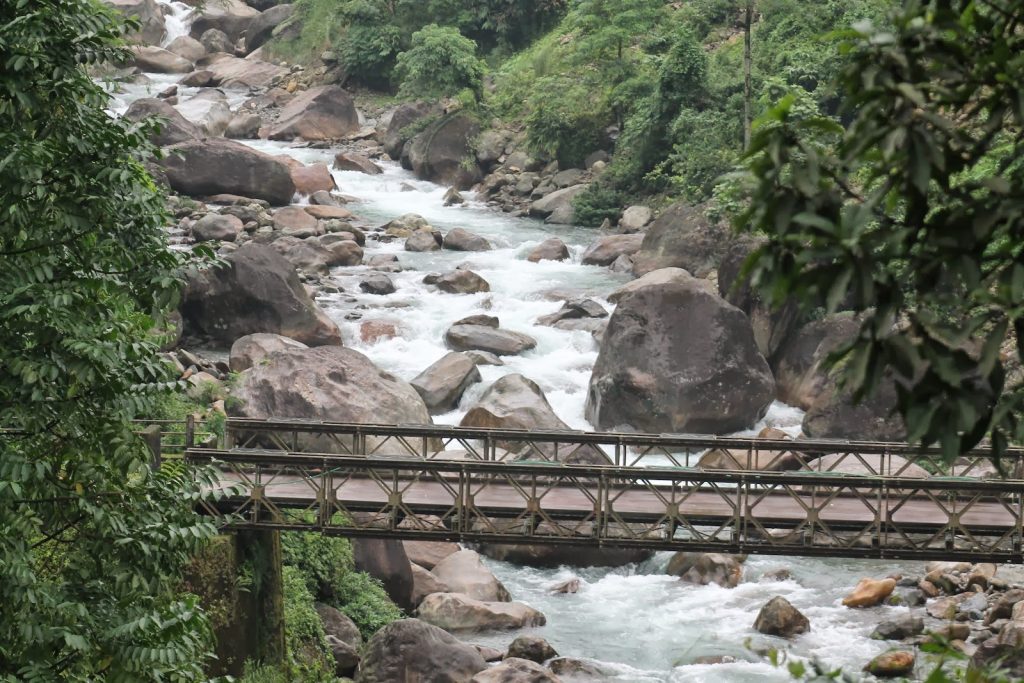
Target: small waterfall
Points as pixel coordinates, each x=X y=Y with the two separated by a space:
x=177 y=19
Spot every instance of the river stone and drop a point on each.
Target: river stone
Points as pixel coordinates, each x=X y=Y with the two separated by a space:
x=377 y=283
x=256 y=291
x=678 y=359
x=187 y=47
x=575 y=309
x=229 y=71
x=202 y=168
x=316 y=178
x=405 y=225
x=346 y=161
x=682 y=237
x=295 y=221
x=464 y=240
x=551 y=249
x=607 y=249
x=662 y=276
x=262 y=26
x=1005 y=650
x=338 y=624
x=462 y=282
x=420 y=241
x=424 y=583
x=251 y=349
x=898 y=628
x=635 y=218
x=799 y=368
x=533 y=648
x=323 y=113
x=516 y=670
x=870 y=592
x=579 y=670
x=311 y=256
x=332 y=384
x=779 y=618
x=555 y=201
x=456 y=612
x=413 y=650
x=895 y=664
x=175 y=128
x=209 y=110
x=244 y=127
x=401 y=119
x=152 y=59
x=346 y=657
x=152 y=27
x=443 y=152
x=443 y=383
x=215 y=227
x=214 y=41
x=233 y=17
x=385 y=559
x=465 y=573
x=197 y=79
x=705 y=568
x=835 y=414
x=480 y=337
x=429 y=553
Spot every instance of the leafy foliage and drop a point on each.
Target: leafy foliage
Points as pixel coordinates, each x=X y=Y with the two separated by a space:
x=305 y=641
x=91 y=540
x=911 y=213
x=440 y=63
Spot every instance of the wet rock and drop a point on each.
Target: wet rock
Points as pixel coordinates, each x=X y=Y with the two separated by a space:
x=334 y=213
x=209 y=110
x=262 y=26
x=201 y=168
x=869 y=592
x=424 y=583
x=514 y=670
x=489 y=653
x=429 y=553
x=152 y=59
x=377 y=283
x=403 y=117
x=480 y=319
x=566 y=587
x=244 y=127
x=575 y=310
x=891 y=664
x=899 y=628
x=231 y=72
x=532 y=648
x=607 y=249
x=406 y=224
x=175 y=127
x=214 y=40
x=233 y=17
x=251 y=349
x=551 y=249
x=465 y=573
x=197 y=79
x=780 y=574
x=315 y=178
x=373 y=331
x=385 y=559
x=440 y=152
x=460 y=613
x=443 y=383
x=323 y=113
x=682 y=237
x=559 y=200
x=800 y=366
x=295 y=221
x=484 y=358
x=661 y=276
x=257 y=291
x=635 y=218
x=779 y=618
x=152 y=27
x=410 y=649
x=479 y=337
x=421 y=241
x=463 y=240
x=1005 y=650
x=215 y=227
x=1002 y=606
x=705 y=568
x=346 y=161
x=677 y=358
x=452 y=197
x=462 y=282
x=578 y=669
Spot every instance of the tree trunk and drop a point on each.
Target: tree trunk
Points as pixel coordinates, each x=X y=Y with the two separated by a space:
x=747 y=21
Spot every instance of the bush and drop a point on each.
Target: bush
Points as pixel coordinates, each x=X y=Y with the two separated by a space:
x=365 y=601
x=441 y=63
x=306 y=643
x=567 y=120
x=597 y=203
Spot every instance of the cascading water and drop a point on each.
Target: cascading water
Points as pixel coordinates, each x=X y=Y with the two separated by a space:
x=177 y=19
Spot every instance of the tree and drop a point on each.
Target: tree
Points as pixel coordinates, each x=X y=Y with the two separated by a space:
x=911 y=214
x=92 y=540
x=440 y=63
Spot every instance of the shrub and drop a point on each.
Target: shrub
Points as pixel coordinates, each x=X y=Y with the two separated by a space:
x=441 y=63
x=365 y=601
x=304 y=635
x=567 y=120
x=597 y=203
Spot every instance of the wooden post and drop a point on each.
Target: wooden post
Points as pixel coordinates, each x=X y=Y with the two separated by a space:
x=151 y=435
x=190 y=431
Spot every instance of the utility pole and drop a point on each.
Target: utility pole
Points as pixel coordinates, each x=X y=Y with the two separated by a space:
x=747 y=21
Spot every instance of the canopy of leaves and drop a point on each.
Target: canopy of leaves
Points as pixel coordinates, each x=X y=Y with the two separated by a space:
x=91 y=540
x=441 y=63
x=911 y=213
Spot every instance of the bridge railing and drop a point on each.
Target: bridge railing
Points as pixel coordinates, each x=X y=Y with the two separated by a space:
x=786 y=513
x=441 y=442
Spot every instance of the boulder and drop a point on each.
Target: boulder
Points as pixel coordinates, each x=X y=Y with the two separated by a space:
x=662 y=276
x=490 y=145
x=551 y=249
x=216 y=227
x=312 y=256
x=462 y=281
x=682 y=237
x=209 y=110
x=188 y=48
x=346 y=657
x=463 y=240
x=377 y=283
x=895 y=664
x=420 y=241
x=215 y=41
x=295 y=221
x=443 y=153
x=607 y=249
x=464 y=573
x=229 y=71
x=401 y=119
x=262 y=26
x=456 y=612
x=343 y=638
x=443 y=383
x=799 y=368
x=706 y=568
x=152 y=28
x=323 y=113
x=335 y=213
x=483 y=338
x=346 y=161
x=635 y=218
x=385 y=559
x=201 y=168
x=870 y=592
x=373 y=331
x=898 y=628
x=175 y=127
x=453 y=197
x=251 y=349
x=533 y=648
x=835 y=414
x=413 y=650
x=406 y=224
x=516 y=670
x=424 y=583
x=197 y=79
x=779 y=618
x=154 y=59
x=244 y=127
x=428 y=553
x=575 y=309
x=233 y=17
x=580 y=670
x=1005 y=650
x=677 y=358
x=555 y=201
x=257 y=290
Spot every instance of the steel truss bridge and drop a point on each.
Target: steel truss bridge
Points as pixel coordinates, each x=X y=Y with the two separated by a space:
x=617 y=490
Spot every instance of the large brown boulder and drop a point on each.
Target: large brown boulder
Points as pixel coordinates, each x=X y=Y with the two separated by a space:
x=228 y=71
x=516 y=670
x=343 y=638
x=209 y=110
x=323 y=113
x=443 y=153
x=149 y=15
x=682 y=237
x=257 y=290
x=424 y=583
x=202 y=168
x=233 y=17
x=428 y=553
x=461 y=337
x=456 y=612
x=779 y=618
x=835 y=414
x=444 y=382
x=705 y=568
x=187 y=47
x=870 y=592
x=385 y=559
x=413 y=650
x=677 y=358
x=251 y=349
x=310 y=254
x=606 y=249
x=153 y=59
x=801 y=377
x=174 y=128
x=397 y=133
x=464 y=573
x=261 y=28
